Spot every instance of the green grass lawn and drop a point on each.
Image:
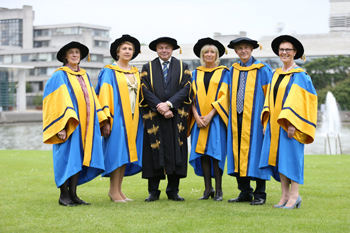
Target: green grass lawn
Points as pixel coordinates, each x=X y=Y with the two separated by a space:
x=29 y=202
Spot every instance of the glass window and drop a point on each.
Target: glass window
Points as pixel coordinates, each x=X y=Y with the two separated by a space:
x=8 y=59
x=42 y=70
x=44 y=57
x=102 y=44
x=102 y=33
x=11 y=31
x=96 y=57
x=50 y=70
x=25 y=57
x=17 y=58
x=32 y=72
x=33 y=57
x=1 y=59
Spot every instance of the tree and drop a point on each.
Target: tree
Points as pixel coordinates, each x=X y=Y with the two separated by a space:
x=328 y=71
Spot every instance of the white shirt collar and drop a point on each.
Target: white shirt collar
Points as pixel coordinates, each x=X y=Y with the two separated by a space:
x=161 y=61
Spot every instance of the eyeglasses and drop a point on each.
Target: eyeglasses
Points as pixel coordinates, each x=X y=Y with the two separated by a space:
x=286 y=50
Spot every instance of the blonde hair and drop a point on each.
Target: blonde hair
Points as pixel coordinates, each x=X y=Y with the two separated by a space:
x=125 y=42
x=204 y=49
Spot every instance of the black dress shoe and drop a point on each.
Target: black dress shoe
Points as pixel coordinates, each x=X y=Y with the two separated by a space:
x=207 y=195
x=241 y=199
x=81 y=202
x=176 y=197
x=258 y=201
x=218 y=196
x=71 y=203
x=152 y=197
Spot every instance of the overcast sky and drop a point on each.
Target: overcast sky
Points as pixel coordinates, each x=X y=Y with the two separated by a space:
x=185 y=20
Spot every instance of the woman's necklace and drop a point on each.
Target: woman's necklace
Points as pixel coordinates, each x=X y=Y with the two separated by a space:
x=289 y=68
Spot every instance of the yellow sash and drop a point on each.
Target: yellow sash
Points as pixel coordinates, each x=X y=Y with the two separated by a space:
x=247 y=114
x=204 y=100
x=275 y=110
x=88 y=141
x=131 y=123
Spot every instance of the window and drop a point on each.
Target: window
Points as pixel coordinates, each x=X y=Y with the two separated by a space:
x=50 y=70
x=38 y=44
x=11 y=32
x=16 y=58
x=32 y=72
x=33 y=57
x=102 y=44
x=8 y=59
x=25 y=57
x=42 y=71
x=99 y=32
x=96 y=57
x=45 y=57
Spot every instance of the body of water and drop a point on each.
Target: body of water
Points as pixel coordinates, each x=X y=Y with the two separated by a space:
x=30 y=137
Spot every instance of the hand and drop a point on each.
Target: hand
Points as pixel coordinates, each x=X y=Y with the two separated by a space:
x=106 y=129
x=168 y=114
x=162 y=108
x=207 y=118
x=291 y=131
x=199 y=122
x=62 y=134
x=264 y=132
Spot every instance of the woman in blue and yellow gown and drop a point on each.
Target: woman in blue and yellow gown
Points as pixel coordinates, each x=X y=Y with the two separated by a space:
x=72 y=118
x=210 y=110
x=118 y=90
x=289 y=118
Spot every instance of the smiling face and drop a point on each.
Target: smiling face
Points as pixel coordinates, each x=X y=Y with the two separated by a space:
x=164 y=50
x=209 y=55
x=125 y=51
x=244 y=51
x=286 y=52
x=73 y=56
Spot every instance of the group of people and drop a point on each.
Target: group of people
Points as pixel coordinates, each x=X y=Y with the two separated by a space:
x=258 y=119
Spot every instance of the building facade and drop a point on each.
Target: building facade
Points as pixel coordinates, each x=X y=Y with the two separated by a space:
x=21 y=43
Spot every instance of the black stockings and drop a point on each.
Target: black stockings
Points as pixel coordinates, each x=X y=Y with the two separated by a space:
x=206 y=167
x=70 y=194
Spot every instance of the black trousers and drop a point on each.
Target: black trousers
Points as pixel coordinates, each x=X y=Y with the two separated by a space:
x=172 y=187
x=244 y=182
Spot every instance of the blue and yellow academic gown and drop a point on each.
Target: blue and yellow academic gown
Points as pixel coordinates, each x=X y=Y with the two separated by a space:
x=124 y=145
x=296 y=104
x=246 y=162
x=65 y=107
x=212 y=139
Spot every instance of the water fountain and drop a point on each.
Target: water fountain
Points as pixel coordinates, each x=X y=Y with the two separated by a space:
x=331 y=124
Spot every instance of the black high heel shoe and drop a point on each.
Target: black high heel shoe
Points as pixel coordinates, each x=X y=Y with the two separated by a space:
x=71 y=203
x=218 y=196
x=207 y=195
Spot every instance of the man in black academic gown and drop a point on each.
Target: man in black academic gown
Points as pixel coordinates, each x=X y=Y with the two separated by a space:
x=165 y=102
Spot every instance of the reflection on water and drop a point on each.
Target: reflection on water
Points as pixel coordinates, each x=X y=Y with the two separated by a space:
x=30 y=137
x=23 y=137
x=318 y=146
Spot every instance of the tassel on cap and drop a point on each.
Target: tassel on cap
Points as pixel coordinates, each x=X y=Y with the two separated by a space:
x=180 y=50
x=303 y=57
x=226 y=51
x=89 y=58
x=260 y=46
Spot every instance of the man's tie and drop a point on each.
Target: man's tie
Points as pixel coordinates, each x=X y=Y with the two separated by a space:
x=165 y=69
x=240 y=99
